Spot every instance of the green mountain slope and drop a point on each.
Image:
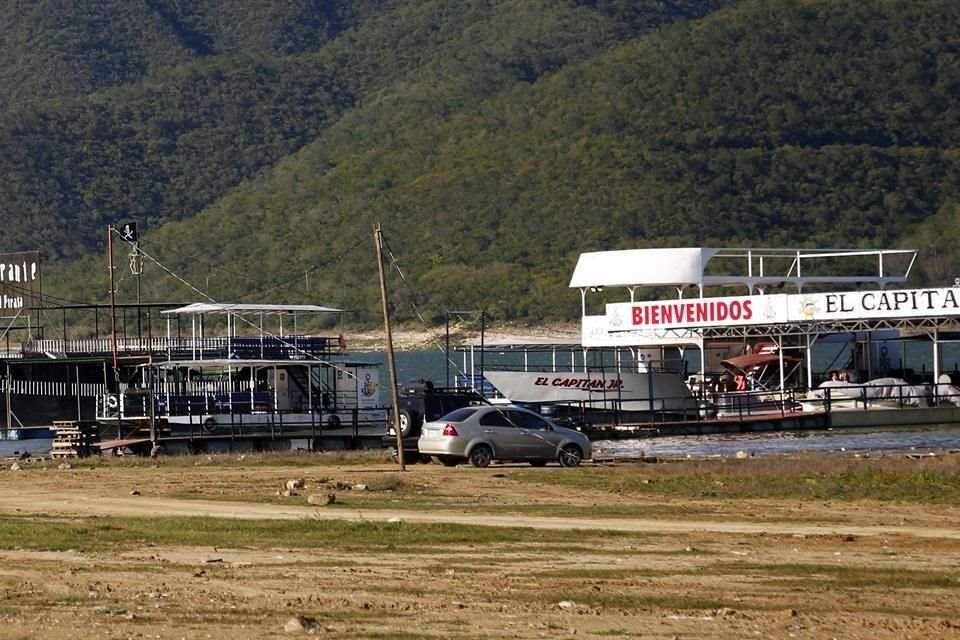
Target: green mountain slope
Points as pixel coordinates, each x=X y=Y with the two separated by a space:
x=165 y=147
x=496 y=145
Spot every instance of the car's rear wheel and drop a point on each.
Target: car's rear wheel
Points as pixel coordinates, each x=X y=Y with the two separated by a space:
x=448 y=461
x=481 y=456
x=570 y=456
x=538 y=463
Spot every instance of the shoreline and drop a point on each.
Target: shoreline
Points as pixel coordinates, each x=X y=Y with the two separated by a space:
x=427 y=338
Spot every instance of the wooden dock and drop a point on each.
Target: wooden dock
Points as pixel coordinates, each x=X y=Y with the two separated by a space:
x=775 y=421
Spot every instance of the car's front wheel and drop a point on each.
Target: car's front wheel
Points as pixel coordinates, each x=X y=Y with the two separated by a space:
x=481 y=456
x=570 y=456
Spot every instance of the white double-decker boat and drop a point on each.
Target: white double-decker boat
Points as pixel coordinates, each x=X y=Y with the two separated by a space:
x=758 y=352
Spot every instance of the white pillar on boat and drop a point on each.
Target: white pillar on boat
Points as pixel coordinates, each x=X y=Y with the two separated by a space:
x=473 y=373
x=936 y=355
x=276 y=400
x=193 y=337
x=782 y=374
x=809 y=361
x=252 y=385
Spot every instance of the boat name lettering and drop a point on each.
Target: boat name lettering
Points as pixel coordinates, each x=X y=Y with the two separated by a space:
x=915 y=300
x=691 y=312
x=578 y=383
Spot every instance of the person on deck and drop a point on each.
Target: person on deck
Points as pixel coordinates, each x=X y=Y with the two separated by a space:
x=741 y=381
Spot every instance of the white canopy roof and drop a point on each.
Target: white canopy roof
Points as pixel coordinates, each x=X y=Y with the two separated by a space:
x=631 y=267
x=199 y=308
x=745 y=267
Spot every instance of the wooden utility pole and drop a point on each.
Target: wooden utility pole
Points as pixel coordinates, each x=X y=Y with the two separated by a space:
x=378 y=241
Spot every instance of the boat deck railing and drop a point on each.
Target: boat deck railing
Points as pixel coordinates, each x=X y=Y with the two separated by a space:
x=177 y=348
x=886 y=396
x=356 y=423
x=747 y=405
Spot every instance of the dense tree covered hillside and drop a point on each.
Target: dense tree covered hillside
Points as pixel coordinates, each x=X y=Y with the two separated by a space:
x=494 y=141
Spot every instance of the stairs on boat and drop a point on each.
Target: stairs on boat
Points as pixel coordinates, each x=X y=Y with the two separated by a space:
x=73 y=439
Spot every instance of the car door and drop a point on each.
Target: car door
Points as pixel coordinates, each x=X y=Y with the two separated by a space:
x=536 y=437
x=503 y=434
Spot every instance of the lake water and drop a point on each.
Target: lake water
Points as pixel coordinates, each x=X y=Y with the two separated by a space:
x=873 y=441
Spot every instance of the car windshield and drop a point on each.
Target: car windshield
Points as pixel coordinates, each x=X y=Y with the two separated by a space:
x=459 y=415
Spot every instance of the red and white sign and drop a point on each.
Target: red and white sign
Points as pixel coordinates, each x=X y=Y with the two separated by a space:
x=697 y=312
x=781 y=308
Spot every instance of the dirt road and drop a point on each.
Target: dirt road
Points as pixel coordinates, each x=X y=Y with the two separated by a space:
x=70 y=503
x=712 y=569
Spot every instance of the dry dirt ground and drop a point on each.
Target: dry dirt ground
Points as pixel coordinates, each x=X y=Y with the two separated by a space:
x=764 y=569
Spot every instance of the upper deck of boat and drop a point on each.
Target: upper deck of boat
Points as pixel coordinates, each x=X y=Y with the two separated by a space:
x=241 y=328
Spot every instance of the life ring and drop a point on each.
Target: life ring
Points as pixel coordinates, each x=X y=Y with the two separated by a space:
x=333 y=422
x=113 y=401
x=210 y=425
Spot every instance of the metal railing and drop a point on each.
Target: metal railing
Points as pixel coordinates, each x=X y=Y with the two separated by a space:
x=883 y=396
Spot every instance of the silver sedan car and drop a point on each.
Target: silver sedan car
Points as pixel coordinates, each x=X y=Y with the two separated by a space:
x=483 y=434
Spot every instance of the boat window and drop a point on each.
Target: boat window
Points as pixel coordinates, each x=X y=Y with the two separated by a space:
x=459 y=415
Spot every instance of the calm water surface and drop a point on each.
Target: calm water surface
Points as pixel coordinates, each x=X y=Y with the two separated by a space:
x=873 y=441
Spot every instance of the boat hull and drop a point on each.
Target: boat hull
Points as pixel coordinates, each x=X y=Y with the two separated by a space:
x=623 y=391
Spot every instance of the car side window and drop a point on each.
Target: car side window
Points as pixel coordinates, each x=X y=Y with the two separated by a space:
x=526 y=420
x=494 y=419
